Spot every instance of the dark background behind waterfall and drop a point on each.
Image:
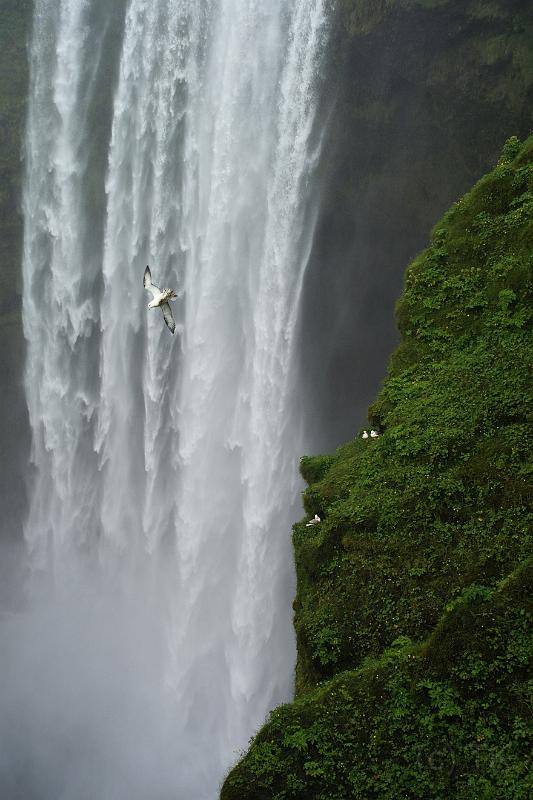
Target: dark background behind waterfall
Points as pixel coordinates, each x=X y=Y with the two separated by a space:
x=424 y=99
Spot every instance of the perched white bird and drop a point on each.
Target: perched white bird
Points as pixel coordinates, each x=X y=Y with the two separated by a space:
x=374 y=434
x=365 y=435
x=160 y=299
x=316 y=519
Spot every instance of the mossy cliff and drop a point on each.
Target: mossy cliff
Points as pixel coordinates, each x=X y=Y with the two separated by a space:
x=413 y=608
x=423 y=93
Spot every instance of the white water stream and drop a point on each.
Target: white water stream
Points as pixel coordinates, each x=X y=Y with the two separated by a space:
x=167 y=465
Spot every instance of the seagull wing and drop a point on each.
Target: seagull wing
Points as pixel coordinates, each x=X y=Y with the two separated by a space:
x=148 y=285
x=169 y=319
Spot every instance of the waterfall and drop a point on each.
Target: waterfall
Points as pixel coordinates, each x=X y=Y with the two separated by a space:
x=181 y=134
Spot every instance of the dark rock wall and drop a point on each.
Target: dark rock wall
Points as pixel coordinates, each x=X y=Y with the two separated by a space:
x=15 y=16
x=422 y=95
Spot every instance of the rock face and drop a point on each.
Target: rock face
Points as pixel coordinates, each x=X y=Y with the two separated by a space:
x=423 y=95
x=413 y=610
x=13 y=88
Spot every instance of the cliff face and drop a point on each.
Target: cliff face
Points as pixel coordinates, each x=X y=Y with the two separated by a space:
x=413 y=611
x=423 y=94
x=14 y=19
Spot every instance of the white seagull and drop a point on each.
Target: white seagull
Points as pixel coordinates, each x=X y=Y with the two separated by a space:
x=365 y=435
x=160 y=299
x=316 y=519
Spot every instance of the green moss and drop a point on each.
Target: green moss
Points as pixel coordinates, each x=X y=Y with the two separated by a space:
x=448 y=718
x=443 y=495
x=313 y=468
x=411 y=611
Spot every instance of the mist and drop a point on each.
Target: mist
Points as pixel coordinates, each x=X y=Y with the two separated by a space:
x=84 y=709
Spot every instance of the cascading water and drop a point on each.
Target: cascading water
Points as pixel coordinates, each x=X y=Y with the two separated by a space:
x=168 y=465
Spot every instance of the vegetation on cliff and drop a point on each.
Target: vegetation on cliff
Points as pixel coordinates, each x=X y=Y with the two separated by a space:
x=413 y=610
x=424 y=92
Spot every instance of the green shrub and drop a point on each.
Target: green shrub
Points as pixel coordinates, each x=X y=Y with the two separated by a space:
x=412 y=613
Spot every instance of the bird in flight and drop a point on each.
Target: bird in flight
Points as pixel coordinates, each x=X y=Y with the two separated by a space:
x=160 y=299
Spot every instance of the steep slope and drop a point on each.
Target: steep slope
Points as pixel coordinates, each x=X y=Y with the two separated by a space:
x=424 y=93
x=417 y=577
x=445 y=719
